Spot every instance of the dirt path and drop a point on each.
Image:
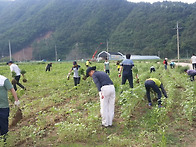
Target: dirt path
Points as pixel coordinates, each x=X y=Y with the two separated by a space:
x=184 y=64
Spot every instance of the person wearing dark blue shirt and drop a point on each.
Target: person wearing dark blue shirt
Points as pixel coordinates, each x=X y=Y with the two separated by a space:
x=126 y=66
x=106 y=93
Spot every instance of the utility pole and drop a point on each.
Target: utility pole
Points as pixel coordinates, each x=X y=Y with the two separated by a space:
x=55 y=53
x=107 y=49
x=10 y=51
x=178 y=42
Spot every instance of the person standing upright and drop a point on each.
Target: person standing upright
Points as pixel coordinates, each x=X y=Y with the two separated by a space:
x=165 y=63
x=107 y=66
x=76 y=75
x=126 y=66
x=5 y=86
x=193 y=60
x=106 y=93
x=16 y=69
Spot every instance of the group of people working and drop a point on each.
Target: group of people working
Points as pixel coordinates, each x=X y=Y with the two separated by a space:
x=103 y=83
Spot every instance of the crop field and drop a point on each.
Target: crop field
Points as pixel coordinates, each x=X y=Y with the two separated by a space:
x=55 y=113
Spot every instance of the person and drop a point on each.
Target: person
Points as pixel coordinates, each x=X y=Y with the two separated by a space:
x=5 y=86
x=106 y=93
x=118 y=65
x=155 y=84
x=87 y=63
x=48 y=67
x=152 y=69
x=191 y=73
x=16 y=69
x=127 y=65
x=76 y=76
x=193 y=60
x=172 y=65
x=107 y=67
x=165 y=63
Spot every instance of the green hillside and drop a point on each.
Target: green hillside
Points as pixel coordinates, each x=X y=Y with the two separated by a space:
x=79 y=26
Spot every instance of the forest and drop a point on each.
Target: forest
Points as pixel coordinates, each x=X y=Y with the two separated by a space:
x=79 y=27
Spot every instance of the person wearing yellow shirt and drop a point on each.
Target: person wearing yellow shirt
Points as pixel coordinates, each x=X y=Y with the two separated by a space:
x=155 y=84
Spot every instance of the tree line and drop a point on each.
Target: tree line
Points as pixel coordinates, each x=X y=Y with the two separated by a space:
x=79 y=27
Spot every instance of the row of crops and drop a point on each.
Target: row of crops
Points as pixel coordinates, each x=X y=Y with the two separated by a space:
x=55 y=113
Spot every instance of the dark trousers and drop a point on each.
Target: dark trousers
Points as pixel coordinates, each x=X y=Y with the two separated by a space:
x=129 y=78
x=151 y=84
x=4 y=114
x=194 y=66
x=76 y=81
x=48 y=69
x=192 y=78
x=17 y=78
x=152 y=69
x=107 y=71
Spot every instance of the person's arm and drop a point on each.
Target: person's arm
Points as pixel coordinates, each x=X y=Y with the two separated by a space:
x=69 y=73
x=119 y=74
x=163 y=91
x=17 y=102
x=14 y=94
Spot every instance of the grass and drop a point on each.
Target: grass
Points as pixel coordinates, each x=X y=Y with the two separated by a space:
x=55 y=113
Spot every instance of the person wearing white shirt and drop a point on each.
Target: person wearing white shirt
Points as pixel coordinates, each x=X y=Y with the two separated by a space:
x=16 y=69
x=193 y=59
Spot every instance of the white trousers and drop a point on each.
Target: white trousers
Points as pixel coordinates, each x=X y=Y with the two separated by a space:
x=107 y=104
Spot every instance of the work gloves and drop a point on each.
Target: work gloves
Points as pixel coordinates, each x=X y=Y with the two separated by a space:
x=17 y=103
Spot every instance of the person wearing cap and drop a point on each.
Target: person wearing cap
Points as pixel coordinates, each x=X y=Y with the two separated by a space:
x=48 y=67
x=191 y=73
x=76 y=75
x=127 y=65
x=155 y=84
x=5 y=86
x=16 y=69
x=152 y=69
x=106 y=93
x=165 y=63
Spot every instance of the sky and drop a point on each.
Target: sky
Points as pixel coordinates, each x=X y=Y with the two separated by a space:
x=149 y=1
x=152 y=1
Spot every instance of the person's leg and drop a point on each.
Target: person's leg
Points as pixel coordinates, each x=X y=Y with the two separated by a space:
x=78 y=81
x=194 y=66
x=111 y=105
x=17 y=78
x=156 y=89
x=130 y=79
x=75 y=81
x=15 y=88
x=4 y=114
x=124 y=78
x=104 y=107
x=148 y=86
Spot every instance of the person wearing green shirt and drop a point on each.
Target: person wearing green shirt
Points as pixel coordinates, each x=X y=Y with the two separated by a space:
x=5 y=86
x=155 y=84
x=107 y=67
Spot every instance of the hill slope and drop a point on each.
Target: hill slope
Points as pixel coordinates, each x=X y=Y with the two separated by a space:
x=79 y=26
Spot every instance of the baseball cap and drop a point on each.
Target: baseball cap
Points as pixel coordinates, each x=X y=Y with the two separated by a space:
x=89 y=69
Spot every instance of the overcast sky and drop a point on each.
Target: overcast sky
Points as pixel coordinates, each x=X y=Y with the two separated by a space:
x=152 y=1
